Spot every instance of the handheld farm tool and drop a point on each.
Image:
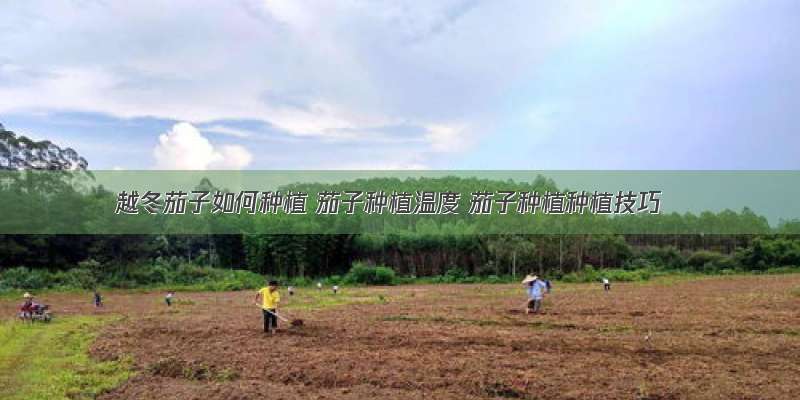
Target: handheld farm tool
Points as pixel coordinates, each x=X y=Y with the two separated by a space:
x=294 y=322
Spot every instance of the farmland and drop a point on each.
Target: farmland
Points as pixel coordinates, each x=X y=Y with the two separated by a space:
x=711 y=338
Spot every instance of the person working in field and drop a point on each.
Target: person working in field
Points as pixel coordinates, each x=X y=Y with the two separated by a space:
x=168 y=298
x=27 y=307
x=606 y=284
x=98 y=300
x=268 y=298
x=536 y=289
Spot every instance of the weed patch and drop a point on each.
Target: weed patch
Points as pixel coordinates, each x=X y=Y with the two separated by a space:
x=51 y=361
x=195 y=371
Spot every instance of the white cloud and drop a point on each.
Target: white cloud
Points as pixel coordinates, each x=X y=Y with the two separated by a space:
x=331 y=72
x=448 y=137
x=185 y=148
x=233 y=157
x=228 y=131
x=379 y=166
x=289 y=12
x=225 y=56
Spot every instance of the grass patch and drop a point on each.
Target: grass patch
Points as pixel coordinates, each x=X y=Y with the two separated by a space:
x=675 y=279
x=195 y=371
x=508 y=322
x=51 y=361
x=616 y=329
x=183 y=302
x=312 y=299
x=786 y=332
x=480 y=322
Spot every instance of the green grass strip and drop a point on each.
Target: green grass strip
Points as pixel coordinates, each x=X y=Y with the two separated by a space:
x=51 y=361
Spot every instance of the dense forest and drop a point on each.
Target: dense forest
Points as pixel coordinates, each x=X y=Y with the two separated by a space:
x=416 y=247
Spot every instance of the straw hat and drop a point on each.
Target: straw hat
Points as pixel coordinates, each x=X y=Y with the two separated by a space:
x=27 y=295
x=530 y=278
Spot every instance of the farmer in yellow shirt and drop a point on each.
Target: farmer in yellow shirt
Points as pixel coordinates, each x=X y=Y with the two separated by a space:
x=268 y=298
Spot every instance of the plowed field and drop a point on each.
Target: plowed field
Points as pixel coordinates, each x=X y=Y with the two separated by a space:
x=718 y=338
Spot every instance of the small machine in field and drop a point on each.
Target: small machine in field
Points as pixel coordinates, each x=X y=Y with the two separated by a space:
x=37 y=312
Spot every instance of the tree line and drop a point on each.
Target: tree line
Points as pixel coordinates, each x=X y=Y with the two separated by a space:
x=410 y=245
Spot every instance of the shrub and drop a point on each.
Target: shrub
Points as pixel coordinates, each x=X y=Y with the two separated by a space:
x=384 y=275
x=79 y=278
x=659 y=257
x=120 y=283
x=587 y=274
x=787 y=269
x=494 y=279
x=190 y=273
x=332 y=280
x=92 y=265
x=148 y=274
x=247 y=279
x=454 y=275
x=590 y=274
x=711 y=262
x=629 y=276
x=405 y=280
x=361 y=273
x=87 y=276
x=702 y=257
x=457 y=275
x=24 y=278
x=300 y=281
x=639 y=263
x=227 y=280
x=766 y=252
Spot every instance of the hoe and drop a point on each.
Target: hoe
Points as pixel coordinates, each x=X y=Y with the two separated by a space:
x=294 y=322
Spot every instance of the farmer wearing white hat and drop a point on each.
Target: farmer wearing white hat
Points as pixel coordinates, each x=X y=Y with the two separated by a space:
x=536 y=289
x=26 y=309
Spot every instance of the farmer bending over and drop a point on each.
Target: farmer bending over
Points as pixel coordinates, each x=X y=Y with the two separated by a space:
x=98 y=300
x=268 y=298
x=536 y=289
x=606 y=284
x=27 y=307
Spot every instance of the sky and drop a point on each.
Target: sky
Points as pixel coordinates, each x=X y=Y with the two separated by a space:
x=406 y=84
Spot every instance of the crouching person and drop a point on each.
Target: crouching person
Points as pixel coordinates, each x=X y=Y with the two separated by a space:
x=27 y=307
x=536 y=289
x=268 y=298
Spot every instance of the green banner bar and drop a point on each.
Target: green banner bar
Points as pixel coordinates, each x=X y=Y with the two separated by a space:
x=394 y=202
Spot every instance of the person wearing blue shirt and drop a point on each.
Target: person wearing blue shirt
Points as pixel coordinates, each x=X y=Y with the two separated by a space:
x=536 y=289
x=98 y=300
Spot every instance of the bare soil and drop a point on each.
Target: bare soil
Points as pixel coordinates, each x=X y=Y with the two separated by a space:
x=719 y=338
